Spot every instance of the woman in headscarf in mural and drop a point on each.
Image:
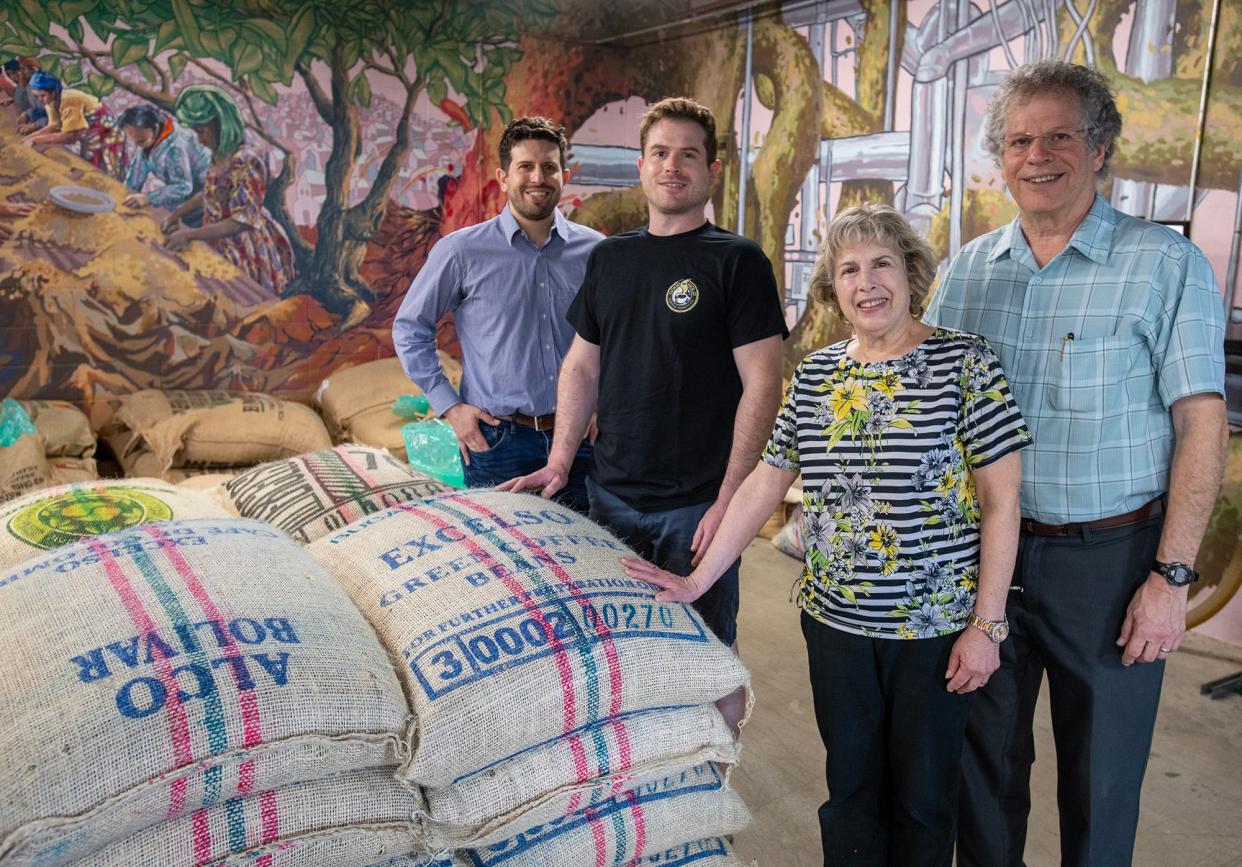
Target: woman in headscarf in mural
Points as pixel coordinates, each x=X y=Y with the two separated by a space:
x=30 y=114
x=74 y=116
x=234 y=221
x=170 y=153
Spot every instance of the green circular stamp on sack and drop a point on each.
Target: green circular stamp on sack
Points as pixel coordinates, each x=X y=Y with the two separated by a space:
x=64 y=518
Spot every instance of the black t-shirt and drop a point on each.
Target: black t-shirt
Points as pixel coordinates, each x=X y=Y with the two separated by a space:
x=667 y=312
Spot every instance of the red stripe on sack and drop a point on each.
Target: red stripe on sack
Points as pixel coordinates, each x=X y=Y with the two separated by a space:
x=179 y=729
x=269 y=814
x=252 y=727
x=601 y=629
x=564 y=671
x=600 y=835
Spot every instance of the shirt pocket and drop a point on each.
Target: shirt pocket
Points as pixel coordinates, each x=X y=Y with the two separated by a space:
x=1090 y=375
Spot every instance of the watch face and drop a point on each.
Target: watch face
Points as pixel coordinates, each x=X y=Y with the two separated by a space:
x=1000 y=632
x=1180 y=575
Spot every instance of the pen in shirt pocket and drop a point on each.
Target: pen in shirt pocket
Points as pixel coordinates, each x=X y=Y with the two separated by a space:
x=1065 y=341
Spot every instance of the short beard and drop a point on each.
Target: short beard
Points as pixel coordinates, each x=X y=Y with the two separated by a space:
x=533 y=212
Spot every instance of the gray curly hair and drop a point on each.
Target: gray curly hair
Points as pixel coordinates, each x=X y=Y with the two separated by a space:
x=1101 y=119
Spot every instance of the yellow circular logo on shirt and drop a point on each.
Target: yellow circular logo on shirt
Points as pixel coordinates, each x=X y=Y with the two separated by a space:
x=682 y=296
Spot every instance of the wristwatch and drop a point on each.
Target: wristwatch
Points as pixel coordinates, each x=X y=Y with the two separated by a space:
x=997 y=630
x=1177 y=574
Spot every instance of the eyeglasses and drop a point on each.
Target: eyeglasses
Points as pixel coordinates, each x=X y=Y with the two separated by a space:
x=1057 y=140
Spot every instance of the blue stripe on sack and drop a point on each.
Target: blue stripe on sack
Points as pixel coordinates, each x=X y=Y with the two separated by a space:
x=214 y=721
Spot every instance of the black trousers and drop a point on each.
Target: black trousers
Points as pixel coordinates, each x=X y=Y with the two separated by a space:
x=893 y=735
x=1065 y=621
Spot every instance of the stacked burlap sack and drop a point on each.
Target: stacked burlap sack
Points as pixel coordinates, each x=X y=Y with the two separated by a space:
x=42 y=443
x=356 y=402
x=173 y=434
x=319 y=493
x=562 y=715
x=715 y=852
x=190 y=692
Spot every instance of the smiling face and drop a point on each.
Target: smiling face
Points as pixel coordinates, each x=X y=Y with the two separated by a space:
x=534 y=180
x=1056 y=187
x=872 y=288
x=675 y=174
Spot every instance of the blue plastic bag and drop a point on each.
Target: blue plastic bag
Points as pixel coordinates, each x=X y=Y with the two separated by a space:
x=432 y=449
x=14 y=423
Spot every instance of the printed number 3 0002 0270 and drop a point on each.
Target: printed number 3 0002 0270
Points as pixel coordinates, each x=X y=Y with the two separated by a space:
x=530 y=637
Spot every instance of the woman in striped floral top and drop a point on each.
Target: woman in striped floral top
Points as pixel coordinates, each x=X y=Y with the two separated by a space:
x=906 y=438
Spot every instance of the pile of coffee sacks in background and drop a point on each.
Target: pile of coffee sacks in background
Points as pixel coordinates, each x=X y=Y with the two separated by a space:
x=356 y=402
x=463 y=677
x=563 y=716
x=172 y=434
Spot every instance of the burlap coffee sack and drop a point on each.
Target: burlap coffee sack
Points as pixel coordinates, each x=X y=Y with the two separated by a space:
x=510 y=797
x=713 y=852
x=210 y=429
x=67 y=471
x=516 y=624
x=366 y=390
x=45 y=520
x=23 y=467
x=351 y=800
x=357 y=846
x=171 y=666
x=316 y=494
x=647 y=822
x=66 y=427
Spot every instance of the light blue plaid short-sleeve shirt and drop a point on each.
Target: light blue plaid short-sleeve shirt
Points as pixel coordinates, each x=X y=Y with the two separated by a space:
x=1097 y=345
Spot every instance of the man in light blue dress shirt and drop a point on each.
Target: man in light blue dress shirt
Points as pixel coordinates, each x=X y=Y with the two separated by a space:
x=1111 y=330
x=509 y=282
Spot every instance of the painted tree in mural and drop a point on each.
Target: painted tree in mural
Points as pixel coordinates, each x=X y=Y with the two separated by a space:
x=336 y=50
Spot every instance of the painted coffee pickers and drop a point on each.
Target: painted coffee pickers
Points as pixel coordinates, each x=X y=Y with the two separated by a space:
x=319 y=493
x=47 y=519
x=154 y=672
x=514 y=625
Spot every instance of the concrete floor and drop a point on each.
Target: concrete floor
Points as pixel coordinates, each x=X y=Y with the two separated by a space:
x=1192 y=796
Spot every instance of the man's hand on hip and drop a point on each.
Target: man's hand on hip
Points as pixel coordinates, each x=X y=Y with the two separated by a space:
x=465 y=419
x=547 y=481
x=1155 y=621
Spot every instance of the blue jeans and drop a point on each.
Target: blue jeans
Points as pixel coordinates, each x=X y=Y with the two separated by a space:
x=514 y=451
x=664 y=538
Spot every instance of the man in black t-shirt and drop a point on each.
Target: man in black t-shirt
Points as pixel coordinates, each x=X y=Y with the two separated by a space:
x=678 y=348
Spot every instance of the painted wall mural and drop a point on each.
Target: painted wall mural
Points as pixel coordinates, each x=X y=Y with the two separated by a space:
x=370 y=130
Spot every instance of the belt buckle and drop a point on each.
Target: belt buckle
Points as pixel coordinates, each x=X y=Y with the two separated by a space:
x=537 y=419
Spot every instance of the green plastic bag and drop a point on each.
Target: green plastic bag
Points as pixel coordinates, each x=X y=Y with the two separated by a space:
x=14 y=423
x=411 y=406
x=432 y=449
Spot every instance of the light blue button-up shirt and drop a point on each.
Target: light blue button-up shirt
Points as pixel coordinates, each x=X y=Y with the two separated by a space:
x=509 y=300
x=1097 y=346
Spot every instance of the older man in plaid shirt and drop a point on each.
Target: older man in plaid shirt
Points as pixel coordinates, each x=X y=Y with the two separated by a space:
x=1111 y=330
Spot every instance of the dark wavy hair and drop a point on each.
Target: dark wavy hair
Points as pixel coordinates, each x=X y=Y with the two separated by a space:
x=527 y=128
x=145 y=116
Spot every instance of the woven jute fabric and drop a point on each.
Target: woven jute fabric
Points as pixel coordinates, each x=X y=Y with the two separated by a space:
x=362 y=395
x=210 y=429
x=267 y=819
x=23 y=467
x=356 y=846
x=67 y=471
x=66 y=428
x=516 y=624
x=640 y=826
x=45 y=520
x=319 y=493
x=509 y=798
x=159 y=669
